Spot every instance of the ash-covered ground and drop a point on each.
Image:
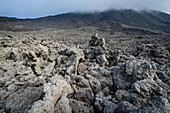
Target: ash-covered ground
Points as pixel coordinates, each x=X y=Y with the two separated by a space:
x=77 y=71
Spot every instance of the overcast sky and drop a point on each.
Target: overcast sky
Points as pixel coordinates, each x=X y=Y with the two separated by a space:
x=39 y=8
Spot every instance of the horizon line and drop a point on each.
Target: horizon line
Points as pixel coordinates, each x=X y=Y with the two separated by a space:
x=67 y=12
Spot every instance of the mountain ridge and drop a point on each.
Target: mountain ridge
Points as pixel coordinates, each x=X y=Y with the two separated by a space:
x=153 y=20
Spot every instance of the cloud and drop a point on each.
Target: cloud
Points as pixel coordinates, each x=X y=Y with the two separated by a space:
x=37 y=8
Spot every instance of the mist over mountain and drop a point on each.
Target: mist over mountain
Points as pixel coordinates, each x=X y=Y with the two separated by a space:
x=154 y=20
x=36 y=8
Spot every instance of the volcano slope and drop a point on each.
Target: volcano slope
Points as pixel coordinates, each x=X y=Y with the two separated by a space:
x=69 y=71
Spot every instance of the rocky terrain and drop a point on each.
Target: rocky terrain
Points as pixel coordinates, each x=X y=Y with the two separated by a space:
x=70 y=71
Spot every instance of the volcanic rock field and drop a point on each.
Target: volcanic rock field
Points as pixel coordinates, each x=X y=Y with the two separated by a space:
x=83 y=70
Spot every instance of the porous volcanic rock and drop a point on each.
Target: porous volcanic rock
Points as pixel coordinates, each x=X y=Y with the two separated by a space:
x=43 y=76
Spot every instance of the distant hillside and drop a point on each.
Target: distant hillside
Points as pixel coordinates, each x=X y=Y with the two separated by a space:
x=153 y=20
x=8 y=19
